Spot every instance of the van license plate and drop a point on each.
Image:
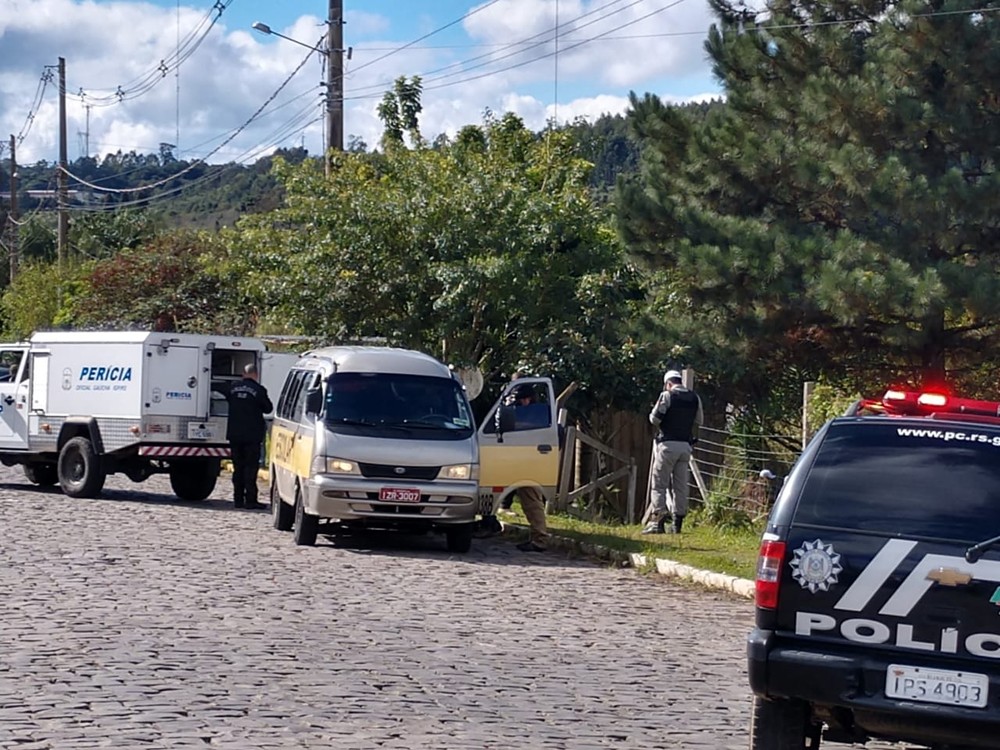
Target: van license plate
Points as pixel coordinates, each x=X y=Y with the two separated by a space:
x=398 y=495
x=936 y=686
x=200 y=432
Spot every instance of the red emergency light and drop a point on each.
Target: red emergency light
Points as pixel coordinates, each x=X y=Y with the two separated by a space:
x=931 y=403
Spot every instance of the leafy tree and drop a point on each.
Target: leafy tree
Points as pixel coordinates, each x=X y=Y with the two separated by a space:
x=840 y=213
x=40 y=298
x=167 y=284
x=489 y=251
x=400 y=111
x=98 y=235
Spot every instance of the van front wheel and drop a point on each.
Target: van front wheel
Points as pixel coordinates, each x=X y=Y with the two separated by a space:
x=460 y=538
x=282 y=515
x=305 y=527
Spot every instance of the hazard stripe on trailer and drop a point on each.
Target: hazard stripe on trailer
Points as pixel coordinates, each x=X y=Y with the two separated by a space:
x=183 y=450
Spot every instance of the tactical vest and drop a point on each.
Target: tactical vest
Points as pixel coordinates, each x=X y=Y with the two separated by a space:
x=677 y=424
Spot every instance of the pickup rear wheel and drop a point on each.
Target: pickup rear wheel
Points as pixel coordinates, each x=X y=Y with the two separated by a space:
x=79 y=469
x=282 y=514
x=781 y=725
x=44 y=475
x=194 y=480
x=305 y=527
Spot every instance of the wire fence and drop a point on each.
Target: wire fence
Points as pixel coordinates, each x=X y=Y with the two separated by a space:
x=734 y=480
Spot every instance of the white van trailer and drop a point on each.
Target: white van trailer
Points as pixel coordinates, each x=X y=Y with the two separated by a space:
x=77 y=406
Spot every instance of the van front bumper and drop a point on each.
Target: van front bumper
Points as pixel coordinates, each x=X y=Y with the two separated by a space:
x=353 y=498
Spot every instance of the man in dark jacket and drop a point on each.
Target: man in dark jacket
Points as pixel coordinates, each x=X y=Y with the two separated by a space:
x=248 y=403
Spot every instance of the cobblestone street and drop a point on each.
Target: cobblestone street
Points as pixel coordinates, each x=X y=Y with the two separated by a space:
x=139 y=621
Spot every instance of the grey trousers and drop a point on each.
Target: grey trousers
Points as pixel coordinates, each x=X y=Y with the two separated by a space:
x=671 y=474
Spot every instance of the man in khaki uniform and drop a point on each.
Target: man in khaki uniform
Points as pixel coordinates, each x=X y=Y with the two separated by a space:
x=677 y=415
x=532 y=500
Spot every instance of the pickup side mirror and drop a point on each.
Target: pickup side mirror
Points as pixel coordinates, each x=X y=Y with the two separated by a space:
x=314 y=401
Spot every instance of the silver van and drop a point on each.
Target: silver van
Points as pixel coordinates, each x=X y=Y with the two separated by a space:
x=373 y=437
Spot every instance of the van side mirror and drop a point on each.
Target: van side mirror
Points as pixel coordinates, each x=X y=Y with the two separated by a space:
x=314 y=401
x=506 y=419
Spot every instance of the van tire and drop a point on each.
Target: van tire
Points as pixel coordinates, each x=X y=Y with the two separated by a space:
x=194 y=480
x=282 y=514
x=79 y=469
x=304 y=527
x=781 y=725
x=44 y=475
x=459 y=538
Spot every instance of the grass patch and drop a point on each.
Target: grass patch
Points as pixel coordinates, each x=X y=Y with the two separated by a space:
x=733 y=552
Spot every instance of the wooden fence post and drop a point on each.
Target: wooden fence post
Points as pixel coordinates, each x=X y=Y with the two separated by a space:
x=807 y=391
x=630 y=500
x=565 y=473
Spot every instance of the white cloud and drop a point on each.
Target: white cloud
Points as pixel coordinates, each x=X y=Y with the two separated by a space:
x=362 y=24
x=234 y=71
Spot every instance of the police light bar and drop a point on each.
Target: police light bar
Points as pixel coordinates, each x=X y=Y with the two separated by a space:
x=926 y=403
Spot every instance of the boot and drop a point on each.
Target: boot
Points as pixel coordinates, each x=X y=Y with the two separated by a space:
x=677 y=524
x=655 y=527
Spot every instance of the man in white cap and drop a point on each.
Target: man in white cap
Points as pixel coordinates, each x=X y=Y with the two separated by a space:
x=677 y=415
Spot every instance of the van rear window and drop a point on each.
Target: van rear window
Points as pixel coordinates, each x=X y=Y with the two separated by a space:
x=939 y=481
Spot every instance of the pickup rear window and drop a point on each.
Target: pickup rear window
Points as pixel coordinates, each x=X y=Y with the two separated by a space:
x=935 y=479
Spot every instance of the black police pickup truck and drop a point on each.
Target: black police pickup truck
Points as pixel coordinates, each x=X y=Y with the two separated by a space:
x=878 y=583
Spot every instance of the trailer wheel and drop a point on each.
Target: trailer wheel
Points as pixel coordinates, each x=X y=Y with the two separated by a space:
x=44 y=475
x=79 y=469
x=194 y=480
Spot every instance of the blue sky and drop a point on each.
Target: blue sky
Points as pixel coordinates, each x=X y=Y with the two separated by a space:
x=496 y=54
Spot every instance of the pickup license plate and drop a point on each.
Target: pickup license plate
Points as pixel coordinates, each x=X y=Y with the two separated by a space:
x=200 y=432
x=936 y=686
x=398 y=495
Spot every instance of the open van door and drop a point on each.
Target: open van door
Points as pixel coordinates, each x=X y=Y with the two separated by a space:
x=519 y=441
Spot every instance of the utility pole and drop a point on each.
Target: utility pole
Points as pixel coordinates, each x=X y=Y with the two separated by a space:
x=13 y=208
x=61 y=179
x=335 y=79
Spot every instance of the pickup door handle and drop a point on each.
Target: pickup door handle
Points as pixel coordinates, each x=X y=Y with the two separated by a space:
x=544 y=448
x=8 y=400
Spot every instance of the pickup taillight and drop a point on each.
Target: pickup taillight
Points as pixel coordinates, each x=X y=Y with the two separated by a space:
x=772 y=555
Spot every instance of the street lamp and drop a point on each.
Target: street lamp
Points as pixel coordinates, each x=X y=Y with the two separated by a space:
x=263 y=28
x=334 y=54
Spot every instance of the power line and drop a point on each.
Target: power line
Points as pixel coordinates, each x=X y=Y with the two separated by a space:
x=250 y=154
x=550 y=54
x=233 y=135
x=429 y=34
x=147 y=81
x=36 y=102
x=535 y=40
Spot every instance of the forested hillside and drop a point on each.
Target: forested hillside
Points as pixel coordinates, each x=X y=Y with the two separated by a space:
x=194 y=195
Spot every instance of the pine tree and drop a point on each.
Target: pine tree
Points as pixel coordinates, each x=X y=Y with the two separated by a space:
x=842 y=210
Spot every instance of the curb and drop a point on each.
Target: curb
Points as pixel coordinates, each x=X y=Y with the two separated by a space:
x=741 y=587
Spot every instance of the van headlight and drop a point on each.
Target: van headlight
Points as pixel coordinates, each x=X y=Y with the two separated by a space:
x=330 y=465
x=459 y=471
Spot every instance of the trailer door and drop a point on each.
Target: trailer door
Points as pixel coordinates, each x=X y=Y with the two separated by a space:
x=174 y=378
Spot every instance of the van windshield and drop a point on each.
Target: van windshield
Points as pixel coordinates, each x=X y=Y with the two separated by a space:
x=397 y=405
